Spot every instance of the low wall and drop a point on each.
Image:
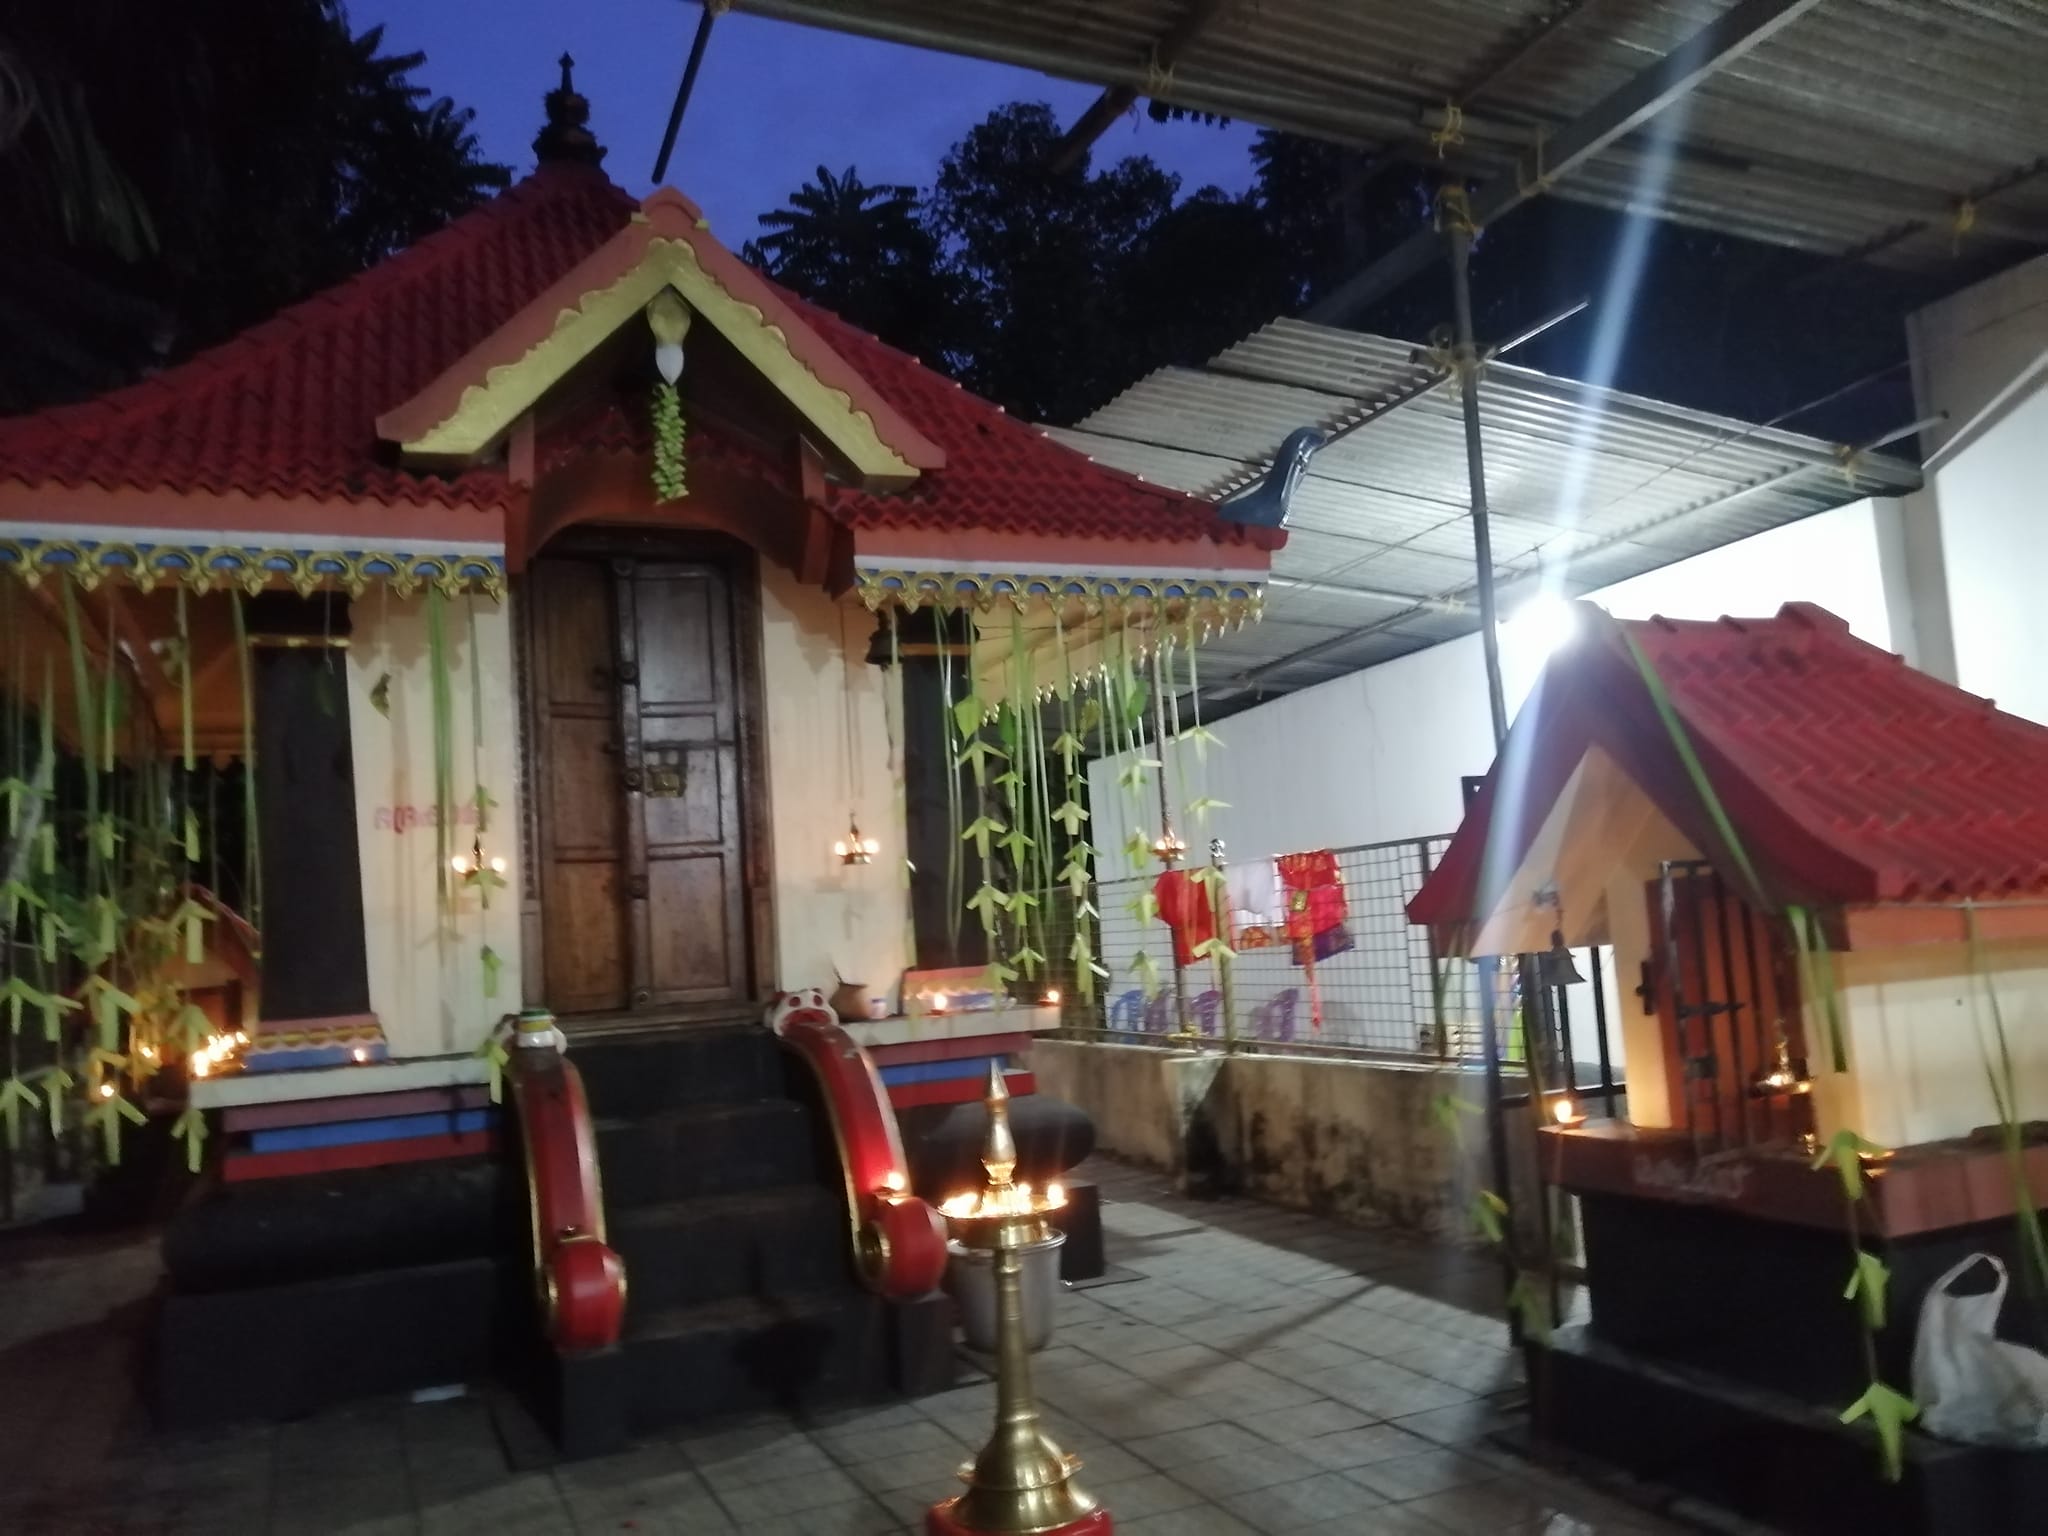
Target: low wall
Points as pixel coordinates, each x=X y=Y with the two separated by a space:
x=1358 y=1140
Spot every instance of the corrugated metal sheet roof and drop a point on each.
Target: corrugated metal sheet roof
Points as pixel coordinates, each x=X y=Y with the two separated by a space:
x=1603 y=484
x=1861 y=127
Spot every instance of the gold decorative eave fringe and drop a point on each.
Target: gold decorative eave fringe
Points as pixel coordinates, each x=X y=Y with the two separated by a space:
x=216 y=567
x=1219 y=600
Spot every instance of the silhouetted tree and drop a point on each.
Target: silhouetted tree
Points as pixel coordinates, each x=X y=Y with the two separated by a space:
x=173 y=174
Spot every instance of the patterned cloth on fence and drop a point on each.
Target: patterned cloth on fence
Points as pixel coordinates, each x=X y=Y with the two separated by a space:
x=1185 y=906
x=1315 y=894
x=1331 y=941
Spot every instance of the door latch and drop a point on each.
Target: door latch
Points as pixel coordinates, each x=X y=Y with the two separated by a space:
x=664 y=773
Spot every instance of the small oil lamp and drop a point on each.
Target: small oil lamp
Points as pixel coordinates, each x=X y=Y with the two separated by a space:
x=854 y=848
x=1786 y=1075
x=1168 y=848
x=1021 y=1481
x=1565 y=1111
x=473 y=862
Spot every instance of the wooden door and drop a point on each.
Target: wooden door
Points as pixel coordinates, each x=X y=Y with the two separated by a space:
x=1723 y=995
x=576 y=783
x=638 y=772
x=686 y=923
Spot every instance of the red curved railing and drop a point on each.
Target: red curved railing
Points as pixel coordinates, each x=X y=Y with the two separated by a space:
x=899 y=1241
x=581 y=1281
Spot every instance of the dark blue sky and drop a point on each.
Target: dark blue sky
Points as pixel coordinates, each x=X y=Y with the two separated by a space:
x=773 y=101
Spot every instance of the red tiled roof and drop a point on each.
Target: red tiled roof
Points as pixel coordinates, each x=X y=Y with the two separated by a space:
x=1849 y=777
x=289 y=408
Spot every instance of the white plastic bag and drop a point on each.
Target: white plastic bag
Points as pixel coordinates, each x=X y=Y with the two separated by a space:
x=1970 y=1384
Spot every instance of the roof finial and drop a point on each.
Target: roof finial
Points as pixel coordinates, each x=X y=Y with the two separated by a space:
x=567 y=138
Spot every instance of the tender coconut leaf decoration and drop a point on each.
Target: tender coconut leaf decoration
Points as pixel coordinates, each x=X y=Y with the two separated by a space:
x=669 y=318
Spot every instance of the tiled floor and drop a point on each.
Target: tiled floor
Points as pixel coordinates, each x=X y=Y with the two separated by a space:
x=1258 y=1372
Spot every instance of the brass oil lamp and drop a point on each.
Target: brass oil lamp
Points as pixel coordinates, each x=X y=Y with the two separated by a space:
x=1021 y=1483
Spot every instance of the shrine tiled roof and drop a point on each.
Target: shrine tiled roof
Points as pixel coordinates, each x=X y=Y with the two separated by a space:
x=289 y=408
x=1848 y=777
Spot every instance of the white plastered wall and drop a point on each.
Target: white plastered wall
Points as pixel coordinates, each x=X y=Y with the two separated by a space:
x=831 y=920
x=1920 y=1038
x=1977 y=533
x=426 y=967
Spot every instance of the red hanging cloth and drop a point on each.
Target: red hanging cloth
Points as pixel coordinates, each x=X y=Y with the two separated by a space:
x=1185 y=907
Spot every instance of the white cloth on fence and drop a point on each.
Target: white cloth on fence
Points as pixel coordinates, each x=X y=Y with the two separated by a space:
x=1970 y=1384
x=1253 y=890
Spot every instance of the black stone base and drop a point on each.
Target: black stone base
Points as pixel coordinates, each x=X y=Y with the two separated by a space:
x=589 y=1397
x=275 y=1352
x=921 y=1336
x=1767 y=1457
x=1081 y=1220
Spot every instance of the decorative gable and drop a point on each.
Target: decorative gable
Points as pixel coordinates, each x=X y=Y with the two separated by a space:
x=665 y=248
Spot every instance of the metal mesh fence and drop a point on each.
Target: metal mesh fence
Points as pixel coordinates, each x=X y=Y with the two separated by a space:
x=1378 y=990
x=1374 y=987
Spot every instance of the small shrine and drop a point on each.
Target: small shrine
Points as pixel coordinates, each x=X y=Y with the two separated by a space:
x=1824 y=876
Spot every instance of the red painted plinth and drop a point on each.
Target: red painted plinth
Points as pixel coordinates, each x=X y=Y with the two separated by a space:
x=939 y=1521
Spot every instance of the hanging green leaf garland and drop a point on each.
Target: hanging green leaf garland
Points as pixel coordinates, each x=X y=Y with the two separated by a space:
x=443 y=706
x=668 y=443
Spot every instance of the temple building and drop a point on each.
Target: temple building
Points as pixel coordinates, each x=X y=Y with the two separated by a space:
x=559 y=620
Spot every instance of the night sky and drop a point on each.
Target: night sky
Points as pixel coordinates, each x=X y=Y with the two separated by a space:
x=772 y=102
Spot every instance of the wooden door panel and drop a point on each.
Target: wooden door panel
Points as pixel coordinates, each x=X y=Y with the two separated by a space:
x=691 y=948
x=693 y=942
x=696 y=817
x=583 y=809
x=683 y=657
x=573 y=610
x=586 y=937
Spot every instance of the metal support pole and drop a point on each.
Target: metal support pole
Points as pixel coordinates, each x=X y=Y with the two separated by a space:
x=683 y=90
x=1183 y=1018
x=1219 y=906
x=1496 y=1119
x=1458 y=229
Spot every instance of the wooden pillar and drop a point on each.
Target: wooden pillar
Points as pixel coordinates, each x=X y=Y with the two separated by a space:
x=313 y=957
x=930 y=841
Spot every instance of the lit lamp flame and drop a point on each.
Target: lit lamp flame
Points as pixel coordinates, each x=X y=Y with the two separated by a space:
x=854 y=848
x=1168 y=848
x=940 y=1002
x=1786 y=1075
x=1052 y=997
x=1566 y=1112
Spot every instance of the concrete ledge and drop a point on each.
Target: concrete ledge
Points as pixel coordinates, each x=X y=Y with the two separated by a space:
x=338 y=1082
x=1359 y=1140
